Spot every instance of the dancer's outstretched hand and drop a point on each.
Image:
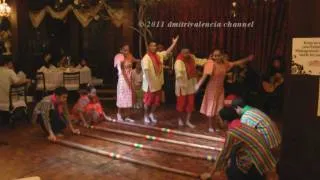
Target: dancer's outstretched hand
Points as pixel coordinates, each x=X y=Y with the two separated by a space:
x=175 y=40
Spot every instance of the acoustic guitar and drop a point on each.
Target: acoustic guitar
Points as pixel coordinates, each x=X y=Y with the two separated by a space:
x=275 y=81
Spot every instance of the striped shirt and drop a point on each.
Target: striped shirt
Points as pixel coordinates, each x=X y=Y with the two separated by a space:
x=253 y=150
x=44 y=107
x=255 y=118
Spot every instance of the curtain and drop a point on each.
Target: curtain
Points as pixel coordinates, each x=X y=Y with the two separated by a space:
x=266 y=39
x=117 y=16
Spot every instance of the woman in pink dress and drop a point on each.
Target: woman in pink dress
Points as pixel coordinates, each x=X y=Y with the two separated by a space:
x=125 y=91
x=213 y=100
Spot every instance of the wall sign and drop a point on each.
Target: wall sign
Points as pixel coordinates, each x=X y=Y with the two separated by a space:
x=306 y=56
x=306 y=59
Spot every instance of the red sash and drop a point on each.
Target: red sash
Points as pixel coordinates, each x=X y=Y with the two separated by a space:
x=57 y=106
x=157 y=64
x=190 y=66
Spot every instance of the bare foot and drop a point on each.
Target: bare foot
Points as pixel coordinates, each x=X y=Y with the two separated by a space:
x=181 y=122
x=190 y=125
x=119 y=118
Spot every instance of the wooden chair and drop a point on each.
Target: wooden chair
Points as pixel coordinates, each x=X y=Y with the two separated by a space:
x=18 y=103
x=41 y=84
x=71 y=81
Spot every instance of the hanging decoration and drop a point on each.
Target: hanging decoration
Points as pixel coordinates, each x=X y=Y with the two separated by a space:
x=234 y=9
x=84 y=16
x=5 y=9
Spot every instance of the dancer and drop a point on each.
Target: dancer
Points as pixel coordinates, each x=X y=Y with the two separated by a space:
x=125 y=91
x=249 y=155
x=152 y=66
x=257 y=119
x=53 y=115
x=186 y=79
x=137 y=77
x=213 y=100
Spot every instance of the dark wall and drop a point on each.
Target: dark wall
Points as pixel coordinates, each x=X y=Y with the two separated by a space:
x=300 y=158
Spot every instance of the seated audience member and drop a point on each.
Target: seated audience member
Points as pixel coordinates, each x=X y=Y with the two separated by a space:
x=20 y=74
x=53 y=115
x=272 y=85
x=8 y=78
x=258 y=120
x=83 y=63
x=63 y=63
x=245 y=155
x=47 y=64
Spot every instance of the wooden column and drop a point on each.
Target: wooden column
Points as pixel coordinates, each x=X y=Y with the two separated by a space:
x=300 y=157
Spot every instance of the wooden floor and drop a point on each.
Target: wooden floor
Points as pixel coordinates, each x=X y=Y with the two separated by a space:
x=26 y=152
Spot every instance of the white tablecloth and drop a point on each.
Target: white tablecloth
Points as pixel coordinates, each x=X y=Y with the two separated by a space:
x=54 y=79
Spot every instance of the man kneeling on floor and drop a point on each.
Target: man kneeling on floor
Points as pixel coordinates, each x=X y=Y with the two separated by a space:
x=246 y=155
x=52 y=114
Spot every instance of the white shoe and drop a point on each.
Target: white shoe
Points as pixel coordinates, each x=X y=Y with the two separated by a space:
x=119 y=118
x=107 y=118
x=129 y=120
x=211 y=130
x=146 y=120
x=181 y=122
x=153 y=119
x=190 y=125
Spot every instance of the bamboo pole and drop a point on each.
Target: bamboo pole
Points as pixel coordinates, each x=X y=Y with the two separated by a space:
x=142 y=146
x=154 y=138
x=124 y=158
x=166 y=130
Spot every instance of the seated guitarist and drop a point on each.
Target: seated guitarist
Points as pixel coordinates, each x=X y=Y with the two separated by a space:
x=272 y=84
